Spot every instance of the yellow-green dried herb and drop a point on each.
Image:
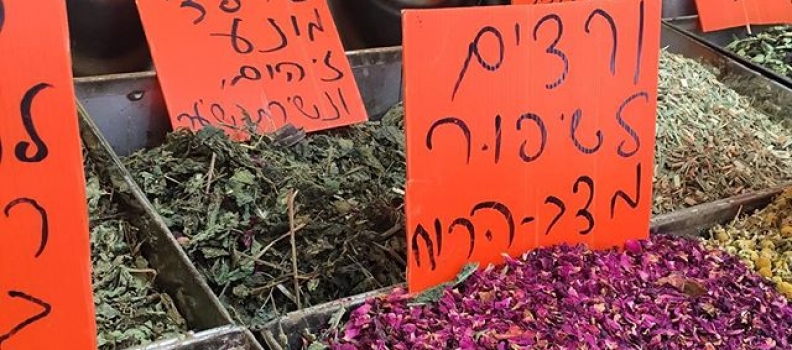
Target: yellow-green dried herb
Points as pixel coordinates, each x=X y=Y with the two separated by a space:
x=710 y=142
x=763 y=241
x=129 y=312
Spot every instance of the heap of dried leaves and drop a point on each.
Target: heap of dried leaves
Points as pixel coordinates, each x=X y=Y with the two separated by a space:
x=763 y=241
x=771 y=48
x=711 y=144
x=228 y=205
x=664 y=294
x=129 y=312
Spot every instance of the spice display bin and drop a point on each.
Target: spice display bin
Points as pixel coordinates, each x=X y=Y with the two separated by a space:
x=128 y=114
x=124 y=113
x=722 y=38
x=176 y=276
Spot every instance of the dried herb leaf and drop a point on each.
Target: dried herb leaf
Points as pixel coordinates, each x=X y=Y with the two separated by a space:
x=227 y=204
x=129 y=311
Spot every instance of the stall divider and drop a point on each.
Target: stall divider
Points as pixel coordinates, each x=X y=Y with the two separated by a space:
x=176 y=274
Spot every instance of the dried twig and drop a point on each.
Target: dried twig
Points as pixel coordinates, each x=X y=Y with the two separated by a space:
x=292 y=231
x=211 y=172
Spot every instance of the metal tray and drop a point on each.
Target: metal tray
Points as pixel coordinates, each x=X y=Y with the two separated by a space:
x=176 y=275
x=223 y=338
x=128 y=110
x=720 y=39
x=688 y=222
x=678 y=8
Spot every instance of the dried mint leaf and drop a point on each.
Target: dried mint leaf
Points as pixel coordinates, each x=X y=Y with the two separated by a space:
x=129 y=311
x=226 y=202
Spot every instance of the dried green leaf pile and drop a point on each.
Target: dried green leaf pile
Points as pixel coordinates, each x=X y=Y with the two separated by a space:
x=763 y=241
x=227 y=203
x=771 y=48
x=710 y=143
x=129 y=312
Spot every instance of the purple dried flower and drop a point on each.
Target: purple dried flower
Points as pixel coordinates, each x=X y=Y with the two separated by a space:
x=667 y=293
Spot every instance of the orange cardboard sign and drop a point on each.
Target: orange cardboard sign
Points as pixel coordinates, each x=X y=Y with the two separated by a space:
x=721 y=14
x=237 y=64
x=45 y=288
x=535 y=2
x=527 y=126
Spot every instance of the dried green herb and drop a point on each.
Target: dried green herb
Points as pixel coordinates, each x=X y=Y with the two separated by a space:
x=763 y=241
x=227 y=203
x=771 y=48
x=129 y=312
x=710 y=142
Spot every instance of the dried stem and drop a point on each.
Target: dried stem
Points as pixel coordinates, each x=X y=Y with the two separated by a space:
x=211 y=172
x=292 y=232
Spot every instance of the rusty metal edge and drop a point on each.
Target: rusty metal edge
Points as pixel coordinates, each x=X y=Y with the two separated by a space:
x=176 y=274
x=688 y=223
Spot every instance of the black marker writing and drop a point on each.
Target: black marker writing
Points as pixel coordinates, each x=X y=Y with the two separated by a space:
x=576 y=117
x=296 y=69
x=585 y=211
x=46 y=309
x=420 y=232
x=284 y=41
x=42 y=214
x=552 y=49
x=196 y=6
x=240 y=44
x=2 y=15
x=298 y=102
x=625 y=197
x=248 y=73
x=561 y=210
x=338 y=73
x=641 y=24
x=614 y=35
x=230 y=6
x=27 y=120
x=195 y=118
x=503 y=210
x=450 y=121
x=473 y=49
x=626 y=127
x=543 y=140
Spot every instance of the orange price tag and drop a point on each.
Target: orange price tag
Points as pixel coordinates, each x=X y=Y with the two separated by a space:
x=45 y=289
x=236 y=64
x=721 y=14
x=527 y=126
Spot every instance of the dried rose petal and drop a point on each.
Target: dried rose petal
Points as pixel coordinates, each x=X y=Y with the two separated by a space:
x=669 y=293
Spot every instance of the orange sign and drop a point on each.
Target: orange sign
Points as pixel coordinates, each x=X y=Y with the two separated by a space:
x=721 y=14
x=535 y=2
x=527 y=126
x=236 y=64
x=45 y=288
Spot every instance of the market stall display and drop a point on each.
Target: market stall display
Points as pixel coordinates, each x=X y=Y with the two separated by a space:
x=754 y=153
